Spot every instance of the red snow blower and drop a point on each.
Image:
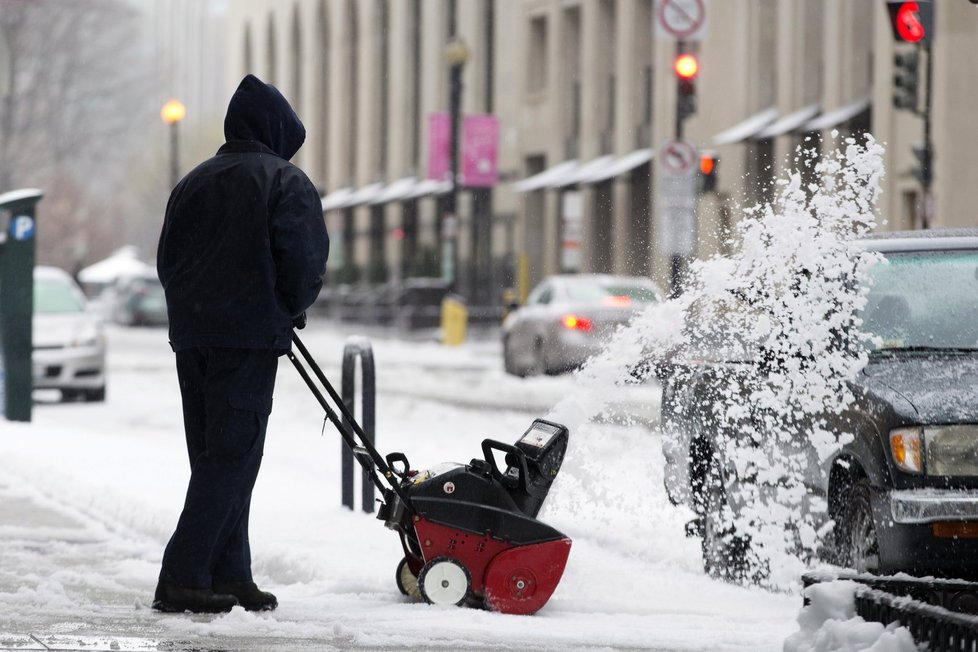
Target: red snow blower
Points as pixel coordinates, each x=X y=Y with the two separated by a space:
x=469 y=531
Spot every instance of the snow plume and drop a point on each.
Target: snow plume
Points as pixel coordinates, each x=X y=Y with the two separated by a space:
x=782 y=304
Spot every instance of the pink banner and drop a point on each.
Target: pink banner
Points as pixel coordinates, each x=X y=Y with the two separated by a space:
x=479 y=149
x=480 y=142
x=439 y=146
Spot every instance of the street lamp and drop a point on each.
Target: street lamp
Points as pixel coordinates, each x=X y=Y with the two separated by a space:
x=172 y=113
x=456 y=54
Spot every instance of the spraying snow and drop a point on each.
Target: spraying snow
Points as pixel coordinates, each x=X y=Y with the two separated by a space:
x=786 y=298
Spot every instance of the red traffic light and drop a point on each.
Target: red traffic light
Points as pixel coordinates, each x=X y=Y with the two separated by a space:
x=908 y=23
x=911 y=22
x=707 y=164
x=686 y=66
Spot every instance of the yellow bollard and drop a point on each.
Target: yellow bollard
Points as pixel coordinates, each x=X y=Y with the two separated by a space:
x=454 y=320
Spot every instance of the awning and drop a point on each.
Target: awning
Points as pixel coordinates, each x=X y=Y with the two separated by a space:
x=746 y=129
x=551 y=177
x=427 y=187
x=790 y=122
x=337 y=199
x=396 y=190
x=365 y=195
x=591 y=172
x=627 y=163
x=839 y=116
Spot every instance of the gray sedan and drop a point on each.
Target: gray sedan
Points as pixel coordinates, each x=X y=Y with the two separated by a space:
x=567 y=318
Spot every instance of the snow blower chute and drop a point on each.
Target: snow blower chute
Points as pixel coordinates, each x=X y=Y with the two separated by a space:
x=469 y=531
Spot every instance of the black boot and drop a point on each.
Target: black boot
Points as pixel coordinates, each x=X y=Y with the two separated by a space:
x=170 y=598
x=249 y=595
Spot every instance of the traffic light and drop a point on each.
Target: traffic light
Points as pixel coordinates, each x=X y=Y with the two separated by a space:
x=708 y=171
x=922 y=171
x=686 y=67
x=905 y=66
x=911 y=22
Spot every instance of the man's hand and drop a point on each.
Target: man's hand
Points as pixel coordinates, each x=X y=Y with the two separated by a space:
x=299 y=322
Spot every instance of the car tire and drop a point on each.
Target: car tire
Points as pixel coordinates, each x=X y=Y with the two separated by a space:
x=94 y=395
x=539 y=366
x=724 y=551
x=508 y=364
x=860 y=542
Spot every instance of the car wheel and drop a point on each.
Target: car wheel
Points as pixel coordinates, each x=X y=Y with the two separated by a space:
x=95 y=395
x=724 y=551
x=861 y=548
x=539 y=366
x=508 y=363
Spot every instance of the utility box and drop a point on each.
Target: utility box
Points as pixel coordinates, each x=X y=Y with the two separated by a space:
x=18 y=230
x=454 y=320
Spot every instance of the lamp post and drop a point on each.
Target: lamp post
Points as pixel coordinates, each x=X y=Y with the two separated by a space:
x=456 y=54
x=172 y=113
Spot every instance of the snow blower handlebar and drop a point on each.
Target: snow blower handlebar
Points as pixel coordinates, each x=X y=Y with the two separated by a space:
x=366 y=454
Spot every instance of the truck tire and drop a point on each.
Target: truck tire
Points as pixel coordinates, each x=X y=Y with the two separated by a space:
x=860 y=543
x=724 y=551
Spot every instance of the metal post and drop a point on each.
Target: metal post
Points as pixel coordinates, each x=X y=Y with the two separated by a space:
x=174 y=154
x=450 y=217
x=928 y=162
x=676 y=262
x=358 y=347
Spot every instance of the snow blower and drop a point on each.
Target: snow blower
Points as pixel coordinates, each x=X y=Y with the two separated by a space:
x=469 y=531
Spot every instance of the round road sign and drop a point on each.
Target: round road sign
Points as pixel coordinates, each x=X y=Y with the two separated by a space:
x=681 y=19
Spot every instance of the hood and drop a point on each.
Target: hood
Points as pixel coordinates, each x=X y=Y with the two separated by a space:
x=258 y=111
x=941 y=389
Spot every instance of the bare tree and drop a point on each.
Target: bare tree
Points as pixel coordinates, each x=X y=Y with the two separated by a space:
x=74 y=116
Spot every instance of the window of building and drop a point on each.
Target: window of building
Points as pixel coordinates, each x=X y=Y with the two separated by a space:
x=571 y=82
x=271 y=52
x=536 y=78
x=297 y=60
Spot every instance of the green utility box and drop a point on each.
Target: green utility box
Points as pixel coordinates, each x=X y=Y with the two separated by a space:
x=17 y=246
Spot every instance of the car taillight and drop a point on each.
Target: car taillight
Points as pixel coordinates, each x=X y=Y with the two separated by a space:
x=623 y=301
x=575 y=323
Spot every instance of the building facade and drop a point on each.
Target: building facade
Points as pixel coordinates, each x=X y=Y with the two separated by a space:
x=585 y=96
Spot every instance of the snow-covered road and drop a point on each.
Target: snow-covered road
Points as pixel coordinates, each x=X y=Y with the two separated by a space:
x=90 y=493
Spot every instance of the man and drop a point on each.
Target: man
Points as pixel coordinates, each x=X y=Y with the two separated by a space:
x=241 y=256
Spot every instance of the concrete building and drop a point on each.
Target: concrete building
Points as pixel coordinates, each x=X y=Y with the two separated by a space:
x=585 y=95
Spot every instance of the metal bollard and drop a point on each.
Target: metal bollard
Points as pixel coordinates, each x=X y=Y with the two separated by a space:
x=358 y=347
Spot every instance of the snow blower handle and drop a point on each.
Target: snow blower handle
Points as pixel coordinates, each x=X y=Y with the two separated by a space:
x=515 y=458
x=371 y=461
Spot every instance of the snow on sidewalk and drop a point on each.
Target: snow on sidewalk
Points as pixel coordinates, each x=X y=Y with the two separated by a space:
x=89 y=494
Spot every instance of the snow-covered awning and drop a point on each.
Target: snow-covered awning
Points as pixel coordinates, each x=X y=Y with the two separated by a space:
x=365 y=195
x=429 y=187
x=591 y=172
x=746 y=129
x=839 y=116
x=337 y=199
x=552 y=177
x=790 y=122
x=396 y=190
x=627 y=163
x=122 y=264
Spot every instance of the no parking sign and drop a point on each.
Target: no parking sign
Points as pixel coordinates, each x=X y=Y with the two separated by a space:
x=680 y=20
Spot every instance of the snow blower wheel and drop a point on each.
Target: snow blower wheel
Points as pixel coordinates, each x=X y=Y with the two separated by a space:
x=407 y=581
x=470 y=532
x=444 y=581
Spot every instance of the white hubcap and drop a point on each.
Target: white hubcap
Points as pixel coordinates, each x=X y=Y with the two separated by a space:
x=445 y=583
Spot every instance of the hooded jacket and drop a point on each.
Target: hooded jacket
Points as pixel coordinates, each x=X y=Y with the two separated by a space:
x=244 y=245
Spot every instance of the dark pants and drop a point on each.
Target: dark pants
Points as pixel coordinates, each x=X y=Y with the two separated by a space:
x=227 y=397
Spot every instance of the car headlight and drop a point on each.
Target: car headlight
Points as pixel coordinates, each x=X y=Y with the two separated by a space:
x=90 y=335
x=936 y=450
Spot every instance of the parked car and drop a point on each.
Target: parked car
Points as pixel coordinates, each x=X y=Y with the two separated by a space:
x=567 y=318
x=139 y=301
x=69 y=342
x=903 y=494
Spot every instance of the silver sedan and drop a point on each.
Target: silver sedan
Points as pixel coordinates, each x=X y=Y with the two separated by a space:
x=567 y=318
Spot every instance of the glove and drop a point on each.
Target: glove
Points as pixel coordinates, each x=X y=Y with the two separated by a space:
x=299 y=322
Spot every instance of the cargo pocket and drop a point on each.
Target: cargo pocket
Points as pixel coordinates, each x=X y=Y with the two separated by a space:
x=245 y=427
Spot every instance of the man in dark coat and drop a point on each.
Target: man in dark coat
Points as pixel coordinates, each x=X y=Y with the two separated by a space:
x=241 y=257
